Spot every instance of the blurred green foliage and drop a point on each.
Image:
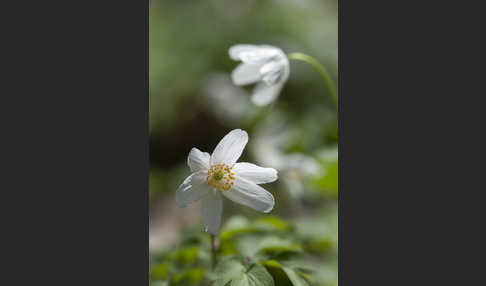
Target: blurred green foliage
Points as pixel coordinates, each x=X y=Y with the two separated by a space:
x=265 y=251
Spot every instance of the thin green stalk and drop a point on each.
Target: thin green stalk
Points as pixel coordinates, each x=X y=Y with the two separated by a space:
x=213 y=251
x=321 y=70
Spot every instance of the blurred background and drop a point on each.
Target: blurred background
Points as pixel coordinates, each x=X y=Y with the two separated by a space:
x=194 y=104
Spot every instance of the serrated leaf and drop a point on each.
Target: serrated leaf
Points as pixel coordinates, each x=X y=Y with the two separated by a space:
x=226 y=270
x=257 y=275
x=241 y=280
x=275 y=269
x=295 y=277
x=238 y=275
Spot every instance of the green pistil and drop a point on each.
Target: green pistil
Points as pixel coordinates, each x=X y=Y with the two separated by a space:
x=218 y=176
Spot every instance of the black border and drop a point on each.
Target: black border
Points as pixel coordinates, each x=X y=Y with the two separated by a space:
x=75 y=143
x=407 y=115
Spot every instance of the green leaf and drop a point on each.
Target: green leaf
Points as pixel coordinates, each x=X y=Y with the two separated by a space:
x=188 y=277
x=318 y=245
x=297 y=261
x=231 y=233
x=226 y=270
x=273 y=244
x=327 y=183
x=259 y=276
x=317 y=236
x=271 y=223
x=236 y=222
x=275 y=269
x=185 y=255
x=159 y=272
x=233 y=272
x=296 y=279
x=249 y=245
x=326 y=276
x=235 y=226
x=227 y=247
x=314 y=228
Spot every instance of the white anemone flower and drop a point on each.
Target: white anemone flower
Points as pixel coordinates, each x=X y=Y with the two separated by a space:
x=217 y=175
x=265 y=65
x=272 y=137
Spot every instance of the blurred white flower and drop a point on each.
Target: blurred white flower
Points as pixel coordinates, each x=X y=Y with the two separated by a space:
x=229 y=103
x=293 y=168
x=219 y=174
x=264 y=64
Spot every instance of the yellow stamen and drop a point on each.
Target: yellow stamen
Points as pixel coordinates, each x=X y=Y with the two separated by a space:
x=220 y=177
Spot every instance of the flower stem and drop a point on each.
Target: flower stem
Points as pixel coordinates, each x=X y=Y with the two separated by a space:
x=321 y=70
x=213 y=250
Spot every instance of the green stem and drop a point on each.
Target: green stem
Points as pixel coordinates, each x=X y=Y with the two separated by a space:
x=213 y=251
x=321 y=70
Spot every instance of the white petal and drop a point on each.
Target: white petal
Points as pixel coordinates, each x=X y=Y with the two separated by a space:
x=251 y=195
x=264 y=94
x=229 y=149
x=254 y=54
x=272 y=71
x=301 y=163
x=197 y=160
x=245 y=74
x=211 y=209
x=236 y=50
x=254 y=173
x=192 y=189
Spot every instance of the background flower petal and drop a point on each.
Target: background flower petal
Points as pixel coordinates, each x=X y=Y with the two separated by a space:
x=272 y=71
x=245 y=74
x=254 y=173
x=251 y=195
x=211 y=209
x=236 y=50
x=229 y=149
x=192 y=189
x=197 y=160
x=254 y=54
x=264 y=94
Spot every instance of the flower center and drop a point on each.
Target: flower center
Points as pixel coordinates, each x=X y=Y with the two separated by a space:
x=220 y=177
